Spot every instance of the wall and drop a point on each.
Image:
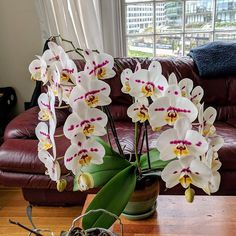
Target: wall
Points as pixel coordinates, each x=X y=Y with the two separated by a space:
x=20 y=41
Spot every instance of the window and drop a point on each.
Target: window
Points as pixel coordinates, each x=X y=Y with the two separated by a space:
x=172 y=28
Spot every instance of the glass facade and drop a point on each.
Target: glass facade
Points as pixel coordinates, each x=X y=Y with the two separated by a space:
x=171 y=28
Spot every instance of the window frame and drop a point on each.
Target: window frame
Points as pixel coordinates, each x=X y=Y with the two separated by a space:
x=213 y=31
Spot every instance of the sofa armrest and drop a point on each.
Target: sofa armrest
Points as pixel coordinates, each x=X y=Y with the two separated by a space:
x=23 y=126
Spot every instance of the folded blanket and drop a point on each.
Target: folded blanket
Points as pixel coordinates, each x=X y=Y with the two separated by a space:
x=215 y=58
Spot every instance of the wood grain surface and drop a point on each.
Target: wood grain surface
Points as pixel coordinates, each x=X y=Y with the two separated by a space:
x=207 y=215
x=13 y=206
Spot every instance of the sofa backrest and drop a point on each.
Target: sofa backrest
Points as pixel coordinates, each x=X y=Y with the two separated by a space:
x=218 y=92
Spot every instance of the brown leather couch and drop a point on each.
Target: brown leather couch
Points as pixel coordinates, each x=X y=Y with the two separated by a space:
x=20 y=166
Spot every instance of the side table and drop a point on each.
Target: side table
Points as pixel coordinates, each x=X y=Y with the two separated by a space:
x=207 y=215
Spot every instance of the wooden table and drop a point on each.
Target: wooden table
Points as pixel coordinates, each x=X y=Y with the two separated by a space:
x=207 y=215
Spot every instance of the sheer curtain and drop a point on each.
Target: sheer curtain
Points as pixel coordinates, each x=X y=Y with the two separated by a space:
x=94 y=24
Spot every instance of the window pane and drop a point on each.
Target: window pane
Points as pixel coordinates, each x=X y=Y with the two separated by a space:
x=128 y=1
x=226 y=36
x=169 y=16
x=140 y=46
x=196 y=39
x=199 y=15
x=225 y=14
x=168 y=45
x=139 y=18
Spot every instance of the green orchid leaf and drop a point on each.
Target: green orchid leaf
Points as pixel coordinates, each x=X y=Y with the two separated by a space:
x=102 y=173
x=156 y=162
x=108 y=149
x=113 y=197
x=109 y=163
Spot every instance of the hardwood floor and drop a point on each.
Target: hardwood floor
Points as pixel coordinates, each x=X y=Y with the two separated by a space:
x=13 y=206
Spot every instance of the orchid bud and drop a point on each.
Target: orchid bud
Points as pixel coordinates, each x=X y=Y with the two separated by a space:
x=85 y=181
x=61 y=185
x=189 y=194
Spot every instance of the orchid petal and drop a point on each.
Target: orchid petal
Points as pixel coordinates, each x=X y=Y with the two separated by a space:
x=182 y=126
x=186 y=86
x=210 y=115
x=198 y=145
x=197 y=95
x=71 y=159
x=171 y=173
x=172 y=80
x=71 y=126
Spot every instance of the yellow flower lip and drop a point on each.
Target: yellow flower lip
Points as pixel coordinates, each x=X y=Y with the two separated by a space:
x=85 y=159
x=148 y=89
x=92 y=100
x=88 y=129
x=101 y=73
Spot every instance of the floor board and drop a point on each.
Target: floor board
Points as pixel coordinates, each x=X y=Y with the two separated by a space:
x=13 y=206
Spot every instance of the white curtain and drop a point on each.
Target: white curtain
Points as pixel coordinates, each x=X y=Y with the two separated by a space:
x=94 y=24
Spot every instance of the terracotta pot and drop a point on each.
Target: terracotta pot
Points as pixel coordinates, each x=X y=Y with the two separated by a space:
x=142 y=203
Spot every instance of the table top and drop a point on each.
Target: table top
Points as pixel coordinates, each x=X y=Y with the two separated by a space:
x=207 y=215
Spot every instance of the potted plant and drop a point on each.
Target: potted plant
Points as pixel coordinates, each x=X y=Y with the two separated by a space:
x=185 y=153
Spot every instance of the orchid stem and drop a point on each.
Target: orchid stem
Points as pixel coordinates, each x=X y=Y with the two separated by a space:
x=59 y=135
x=142 y=142
x=113 y=128
x=136 y=145
x=147 y=145
x=62 y=107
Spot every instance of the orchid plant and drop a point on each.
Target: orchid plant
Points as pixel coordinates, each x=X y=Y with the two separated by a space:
x=186 y=152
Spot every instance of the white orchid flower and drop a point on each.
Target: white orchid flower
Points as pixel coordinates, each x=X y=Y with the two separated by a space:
x=53 y=167
x=66 y=92
x=91 y=92
x=138 y=111
x=98 y=65
x=212 y=161
x=83 y=152
x=187 y=170
x=68 y=70
x=53 y=54
x=206 y=120
x=125 y=77
x=38 y=70
x=55 y=84
x=46 y=103
x=186 y=86
x=196 y=95
x=168 y=109
x=148 y=83
x=42 y=133
x=89 y=121
x=181 y=141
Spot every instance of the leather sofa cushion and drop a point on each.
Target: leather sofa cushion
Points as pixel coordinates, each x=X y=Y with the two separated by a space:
x=25 y=160
x=23 y=126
